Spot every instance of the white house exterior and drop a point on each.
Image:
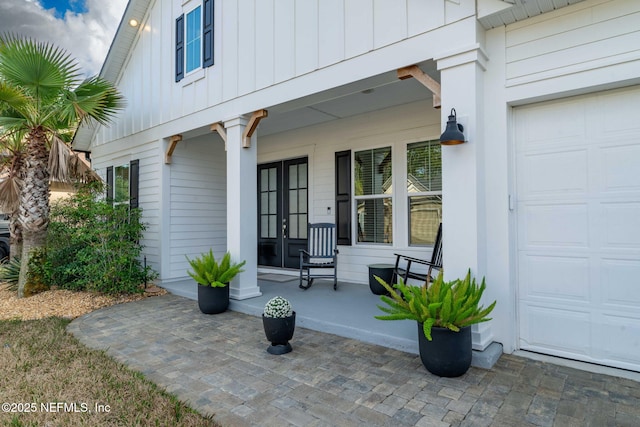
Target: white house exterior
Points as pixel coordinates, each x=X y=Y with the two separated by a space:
x=543 y=199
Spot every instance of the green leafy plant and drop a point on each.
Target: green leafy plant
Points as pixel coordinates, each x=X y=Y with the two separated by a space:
x=94 y=245
x=10 y=272
x=208 y=272
x=452 y=305
x=278 y=307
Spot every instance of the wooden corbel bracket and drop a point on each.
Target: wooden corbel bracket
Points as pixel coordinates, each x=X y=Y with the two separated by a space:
x=173 y=141
x=251 y=127
x=415 y=72
x=219 y=127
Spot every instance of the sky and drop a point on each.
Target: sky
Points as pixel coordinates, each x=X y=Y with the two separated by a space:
x=84 y=28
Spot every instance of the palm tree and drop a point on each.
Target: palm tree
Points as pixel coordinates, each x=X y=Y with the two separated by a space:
x=65 y=166
x=42 y=93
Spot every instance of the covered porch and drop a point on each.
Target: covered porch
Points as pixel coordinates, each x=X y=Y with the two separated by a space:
x=348 y=312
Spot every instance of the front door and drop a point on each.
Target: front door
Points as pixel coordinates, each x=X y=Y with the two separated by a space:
x=282 y=204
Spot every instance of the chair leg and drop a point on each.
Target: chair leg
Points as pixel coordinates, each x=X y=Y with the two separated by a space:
x=308 y=279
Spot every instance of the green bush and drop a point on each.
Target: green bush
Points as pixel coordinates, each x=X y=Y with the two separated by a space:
x=94 y=245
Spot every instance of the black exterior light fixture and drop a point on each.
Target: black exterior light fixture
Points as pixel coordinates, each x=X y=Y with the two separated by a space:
x=452 y=135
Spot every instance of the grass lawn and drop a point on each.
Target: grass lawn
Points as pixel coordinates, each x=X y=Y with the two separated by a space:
x=49 y=378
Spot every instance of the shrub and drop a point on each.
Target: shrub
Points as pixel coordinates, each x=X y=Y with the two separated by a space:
x=94 y=245
x=10 y=272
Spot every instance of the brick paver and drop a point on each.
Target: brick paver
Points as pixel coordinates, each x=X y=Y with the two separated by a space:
x=219 y=365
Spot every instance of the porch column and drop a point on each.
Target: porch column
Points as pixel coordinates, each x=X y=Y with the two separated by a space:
x=242 y=208
x=463 y=223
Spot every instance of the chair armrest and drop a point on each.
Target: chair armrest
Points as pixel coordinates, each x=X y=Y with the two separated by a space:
x=421 y=261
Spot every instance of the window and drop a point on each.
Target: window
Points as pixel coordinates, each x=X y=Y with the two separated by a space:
x=122 y=183
x=194 y=39
x=373 y=194
x=424 y=188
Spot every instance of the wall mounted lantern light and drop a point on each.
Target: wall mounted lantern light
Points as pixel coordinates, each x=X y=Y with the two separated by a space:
x=452 y=135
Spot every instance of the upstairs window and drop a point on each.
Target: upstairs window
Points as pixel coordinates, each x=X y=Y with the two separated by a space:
x=194 y=39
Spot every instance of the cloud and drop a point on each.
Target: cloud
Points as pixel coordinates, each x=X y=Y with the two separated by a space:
x=86 y=36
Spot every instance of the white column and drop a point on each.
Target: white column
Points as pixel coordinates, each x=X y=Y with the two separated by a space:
x=242 y=208
x=463 y=211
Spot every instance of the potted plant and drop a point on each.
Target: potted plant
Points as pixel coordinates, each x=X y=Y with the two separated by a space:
x=445 y=312
x=213 y=280
x=279 y=321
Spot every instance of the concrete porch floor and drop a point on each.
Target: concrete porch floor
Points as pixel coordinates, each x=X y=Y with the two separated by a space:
x=348 y=312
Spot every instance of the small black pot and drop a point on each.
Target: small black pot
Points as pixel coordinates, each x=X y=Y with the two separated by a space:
x=279 y=330
x=448 y=354
x=213 y=300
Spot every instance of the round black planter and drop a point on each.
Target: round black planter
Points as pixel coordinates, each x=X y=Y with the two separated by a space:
x=383 y=271
x=448 y=354
x=279 y=330
x=213 y=300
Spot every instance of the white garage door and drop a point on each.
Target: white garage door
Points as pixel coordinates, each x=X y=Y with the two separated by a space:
x=578 y=216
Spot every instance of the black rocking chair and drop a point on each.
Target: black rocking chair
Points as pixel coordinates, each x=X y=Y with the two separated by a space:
x=321 y=253
x=404 y=263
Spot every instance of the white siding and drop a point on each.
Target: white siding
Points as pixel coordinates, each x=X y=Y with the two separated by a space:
x=198 y=206
x=393 y=127
x=589 y=35
x=262 y=43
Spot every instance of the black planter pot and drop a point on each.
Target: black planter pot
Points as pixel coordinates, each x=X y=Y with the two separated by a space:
x=448 y=354
x=213 y=300
x=279 y=331
x=383 y=271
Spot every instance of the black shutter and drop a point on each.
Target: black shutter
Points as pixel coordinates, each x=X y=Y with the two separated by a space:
x=110 y=184
x=180 y=48
x=207 y=33
x=343 y=197
x=134 y=167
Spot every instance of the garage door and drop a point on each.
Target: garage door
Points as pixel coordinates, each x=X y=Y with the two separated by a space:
x=578 y=227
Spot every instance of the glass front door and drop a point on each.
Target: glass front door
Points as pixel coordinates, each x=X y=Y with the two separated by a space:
x=283 y=212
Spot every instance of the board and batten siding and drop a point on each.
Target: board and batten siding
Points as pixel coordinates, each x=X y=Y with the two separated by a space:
x=259 y=44
x=198 y=206
x=587 y=36
x=395 y=127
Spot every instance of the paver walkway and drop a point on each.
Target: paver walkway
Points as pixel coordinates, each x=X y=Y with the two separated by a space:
x=219 y=364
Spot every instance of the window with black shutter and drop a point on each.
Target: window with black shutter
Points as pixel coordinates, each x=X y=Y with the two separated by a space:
x=110 y=183
x=343 y=197
x=194 y=39
x=180 y=48
x=134 y=167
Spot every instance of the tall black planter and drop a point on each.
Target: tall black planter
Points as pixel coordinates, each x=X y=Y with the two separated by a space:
x=448 y=354
x=213 y=300
x=279 y=330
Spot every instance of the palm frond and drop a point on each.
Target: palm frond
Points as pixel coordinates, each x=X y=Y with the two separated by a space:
x=10 y=193
x=97 y=99
x=38 y=67
x=59 y=155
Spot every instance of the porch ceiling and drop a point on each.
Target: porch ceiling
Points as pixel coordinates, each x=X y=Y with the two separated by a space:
x=375 y=93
